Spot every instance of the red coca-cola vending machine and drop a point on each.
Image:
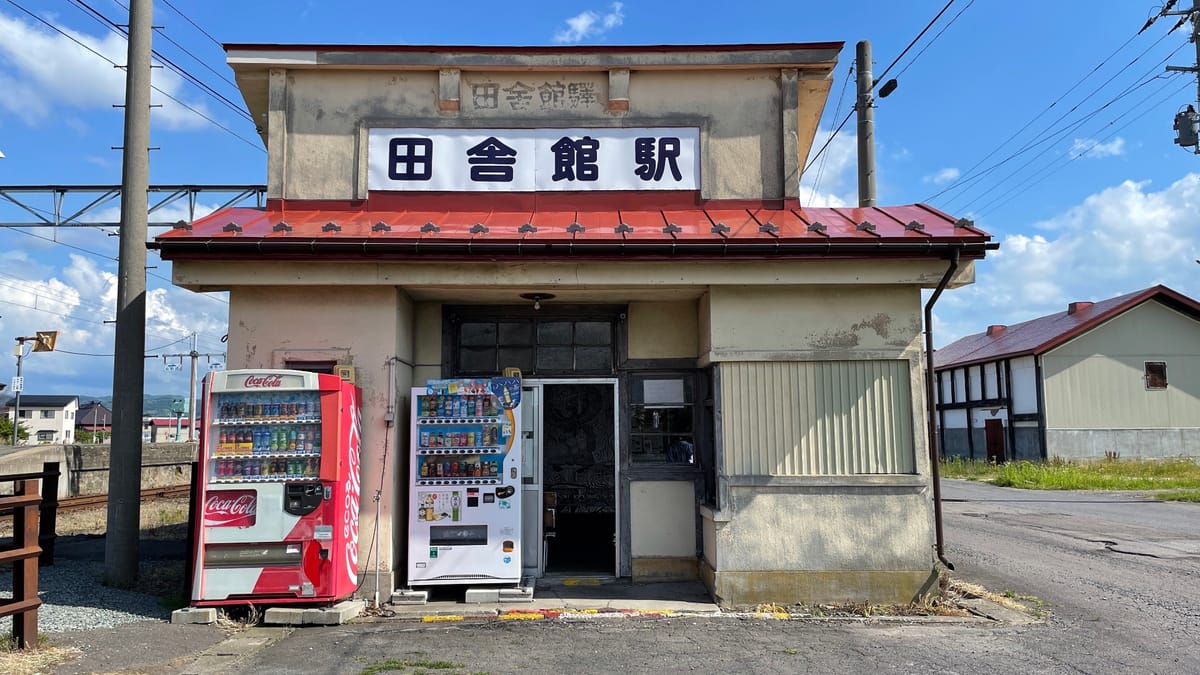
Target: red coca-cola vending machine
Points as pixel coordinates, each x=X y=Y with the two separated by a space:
x=278 y=497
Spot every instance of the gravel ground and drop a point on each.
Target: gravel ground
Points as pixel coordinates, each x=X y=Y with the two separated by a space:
x=73 y=598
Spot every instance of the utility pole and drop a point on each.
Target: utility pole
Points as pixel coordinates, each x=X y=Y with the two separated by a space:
x=194 y=356
x=866 y=126
x=125 y=463
x=1187 y=122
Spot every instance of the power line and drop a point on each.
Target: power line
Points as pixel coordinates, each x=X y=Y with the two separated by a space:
x=116 y=65
x=194 y=25
x=910 y=44
x=968 y=178
x=933 y=40
x=1050 y=169
x=182 y=72
x=837 y=111
x=1049 y=134
x=878 y=79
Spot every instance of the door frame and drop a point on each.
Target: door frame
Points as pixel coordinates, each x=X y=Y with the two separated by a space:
x=540 y=384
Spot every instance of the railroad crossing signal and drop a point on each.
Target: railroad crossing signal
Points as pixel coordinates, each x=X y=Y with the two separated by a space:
x=45 y=341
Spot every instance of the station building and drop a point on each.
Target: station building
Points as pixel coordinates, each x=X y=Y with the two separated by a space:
x=721 y=383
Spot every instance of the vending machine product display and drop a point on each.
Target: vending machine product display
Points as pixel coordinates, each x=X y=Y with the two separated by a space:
x=279 y=488
x=464 y=505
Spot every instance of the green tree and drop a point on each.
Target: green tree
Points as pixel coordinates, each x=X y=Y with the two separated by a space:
x=6 y=431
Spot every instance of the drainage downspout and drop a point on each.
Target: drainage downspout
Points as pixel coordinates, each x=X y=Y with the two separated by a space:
x=930 y=408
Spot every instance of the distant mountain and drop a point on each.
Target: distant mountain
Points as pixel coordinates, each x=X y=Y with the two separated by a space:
x=157 y=405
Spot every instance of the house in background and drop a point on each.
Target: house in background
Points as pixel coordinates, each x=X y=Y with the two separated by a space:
x=49 y=419
x=165 y=430
x=95 y=417
x=1119 y=377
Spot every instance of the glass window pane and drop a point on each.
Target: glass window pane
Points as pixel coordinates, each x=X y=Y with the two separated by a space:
x=477 y=359
x=517 y=357
x=478 y=334
x=516 y=333
x=554 y=333
x=593 y=358
x=593 y=333
x=555 y=358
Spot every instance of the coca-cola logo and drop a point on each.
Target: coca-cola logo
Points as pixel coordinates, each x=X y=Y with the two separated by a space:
x=353 y=488
x=231 y=508
x=258 y=381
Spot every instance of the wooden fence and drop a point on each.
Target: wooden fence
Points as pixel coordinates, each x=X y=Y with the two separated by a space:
x=30 y=545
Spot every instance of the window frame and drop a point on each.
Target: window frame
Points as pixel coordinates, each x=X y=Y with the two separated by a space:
x=1155 y=381
x=454 y=317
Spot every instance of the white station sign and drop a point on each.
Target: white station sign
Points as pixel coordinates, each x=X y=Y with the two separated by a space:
x=533 y=160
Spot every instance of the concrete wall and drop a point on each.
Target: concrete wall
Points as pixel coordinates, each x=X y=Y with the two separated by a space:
x=853 y=540
x=84 y=468
x=663 y=529
x=365 y=327
x=1090 y=444
x=782 y=537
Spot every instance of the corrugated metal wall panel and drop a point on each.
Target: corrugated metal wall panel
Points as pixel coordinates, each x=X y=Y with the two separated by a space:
x=817 y=418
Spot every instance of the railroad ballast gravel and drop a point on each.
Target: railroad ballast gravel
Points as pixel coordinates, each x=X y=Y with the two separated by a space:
x=74 y=598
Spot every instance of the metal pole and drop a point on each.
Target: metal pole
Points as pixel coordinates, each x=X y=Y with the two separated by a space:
x=866 y=126
x=1195 y=17
x=192 y=394
x=125 y=464
x=17 y=393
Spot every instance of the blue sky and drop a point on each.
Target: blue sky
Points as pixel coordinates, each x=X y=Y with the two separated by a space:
x=1049 y=124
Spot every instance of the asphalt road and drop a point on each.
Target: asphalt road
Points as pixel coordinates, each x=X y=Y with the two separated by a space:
x=1119 y=577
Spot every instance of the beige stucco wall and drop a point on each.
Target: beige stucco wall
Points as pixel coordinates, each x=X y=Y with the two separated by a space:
x=666 y=521
x=365 y=327
x=1096 y=381
x=814 y=322
x=322 y=155
x=663 y=330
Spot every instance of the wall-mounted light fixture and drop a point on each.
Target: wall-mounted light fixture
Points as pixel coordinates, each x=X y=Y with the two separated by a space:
x=537 y=298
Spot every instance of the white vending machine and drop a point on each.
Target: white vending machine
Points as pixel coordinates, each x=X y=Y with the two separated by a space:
x=465 y=483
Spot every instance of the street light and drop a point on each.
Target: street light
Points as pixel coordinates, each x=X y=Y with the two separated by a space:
x=44 y=341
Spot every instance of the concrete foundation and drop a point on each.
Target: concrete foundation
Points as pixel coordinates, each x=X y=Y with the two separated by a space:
x=665 y=569
x=314 y=616
x=194 y=615
x=742 y=588
x=1125 y=443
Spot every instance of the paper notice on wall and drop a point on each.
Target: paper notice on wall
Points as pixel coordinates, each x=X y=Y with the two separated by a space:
x=662 y=391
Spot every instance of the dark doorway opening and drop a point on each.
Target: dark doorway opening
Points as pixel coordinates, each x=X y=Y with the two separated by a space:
x=993 y=431
x=580 y=474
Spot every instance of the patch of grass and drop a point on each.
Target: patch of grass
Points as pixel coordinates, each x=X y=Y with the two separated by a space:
x=40 y=659
x=414 y=667
x=1179 y=496
x=1058 y=474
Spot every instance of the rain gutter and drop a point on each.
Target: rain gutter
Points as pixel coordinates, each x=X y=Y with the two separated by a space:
x=930 y=407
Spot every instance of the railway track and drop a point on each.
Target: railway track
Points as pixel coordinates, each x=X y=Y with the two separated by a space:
x=94 y=501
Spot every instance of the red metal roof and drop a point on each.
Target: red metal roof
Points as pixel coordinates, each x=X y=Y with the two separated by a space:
x=1037 y=336
x=551 y=229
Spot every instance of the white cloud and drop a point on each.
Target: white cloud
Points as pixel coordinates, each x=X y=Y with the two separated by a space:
x=942 y=176
x=832 y=180
x=42 y=71
x=1093 y=149
x=590 y=23
x=1122 y=239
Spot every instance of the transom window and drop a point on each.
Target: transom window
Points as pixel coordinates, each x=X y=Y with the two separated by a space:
x=538 y=345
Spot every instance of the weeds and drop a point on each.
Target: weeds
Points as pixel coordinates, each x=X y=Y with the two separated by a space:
x=414 y=667
x=1059 y=474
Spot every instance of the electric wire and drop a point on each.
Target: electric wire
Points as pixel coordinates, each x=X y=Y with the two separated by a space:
x=969 y=178
x=1009 y=196
x=194 y=24
x=876 y=80
x=837 y=111
x=1049 y=135
x=932 y=40
x=199 y=114
x=910 y=44
x=182 y=72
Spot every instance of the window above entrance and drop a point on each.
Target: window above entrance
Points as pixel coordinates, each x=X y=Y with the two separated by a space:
x=539 y=346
